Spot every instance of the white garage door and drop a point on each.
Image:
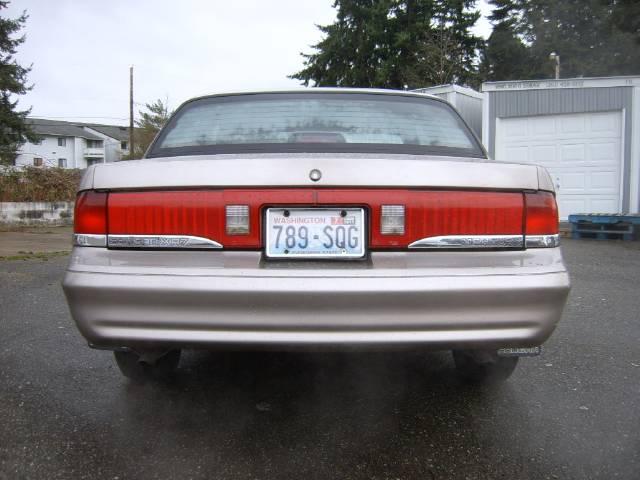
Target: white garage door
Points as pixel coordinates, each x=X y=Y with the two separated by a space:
x=582 y=152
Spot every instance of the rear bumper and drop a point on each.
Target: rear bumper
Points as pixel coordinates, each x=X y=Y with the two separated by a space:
x=439 y=300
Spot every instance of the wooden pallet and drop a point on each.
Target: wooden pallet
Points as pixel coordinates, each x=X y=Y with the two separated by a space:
x=605 y=227
x=565 y=229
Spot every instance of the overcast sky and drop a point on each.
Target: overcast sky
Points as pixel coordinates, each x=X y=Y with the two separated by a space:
x=81 y=50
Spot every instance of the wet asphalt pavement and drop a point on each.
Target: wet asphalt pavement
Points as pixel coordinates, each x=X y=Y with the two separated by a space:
x=66 y=413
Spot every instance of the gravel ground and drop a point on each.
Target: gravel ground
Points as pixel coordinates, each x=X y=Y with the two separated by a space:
x=41 y=241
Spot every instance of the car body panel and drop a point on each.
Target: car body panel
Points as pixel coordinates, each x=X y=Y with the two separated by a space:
x=437 y=299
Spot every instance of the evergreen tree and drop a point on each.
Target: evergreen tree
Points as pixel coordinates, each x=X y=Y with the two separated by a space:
x=505 y=57
x=14 y=130
x=395 y=44
x=447 y=52
x=625 y=16
x=592 y=37
x=575 y=30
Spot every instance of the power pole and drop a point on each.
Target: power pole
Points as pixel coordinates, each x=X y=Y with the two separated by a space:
x=131 y=112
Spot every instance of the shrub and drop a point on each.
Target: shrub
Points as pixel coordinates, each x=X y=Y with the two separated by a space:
x=32 y=184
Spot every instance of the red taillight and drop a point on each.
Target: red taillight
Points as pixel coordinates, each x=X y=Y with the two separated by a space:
x=541 y=214
x=198 y=213
x=438 y=213
x=218 y=214
x=90 y=216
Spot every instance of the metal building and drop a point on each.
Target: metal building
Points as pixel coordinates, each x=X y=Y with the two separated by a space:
x=466 y=100
x=585 y=131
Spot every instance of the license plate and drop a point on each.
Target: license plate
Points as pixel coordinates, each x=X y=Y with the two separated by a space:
x=315 y=232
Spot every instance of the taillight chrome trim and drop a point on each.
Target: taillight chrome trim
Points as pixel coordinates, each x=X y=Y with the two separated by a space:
x=161 y=242
x=187 y=241
x=89 y=240
x=470 y=241
x=542 y=241
x=488 y=241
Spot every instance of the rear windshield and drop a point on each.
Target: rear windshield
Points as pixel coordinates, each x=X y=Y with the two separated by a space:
x=315 y=122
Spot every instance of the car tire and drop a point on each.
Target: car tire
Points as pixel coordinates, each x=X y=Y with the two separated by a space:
x=483 y=366
x=135 y=367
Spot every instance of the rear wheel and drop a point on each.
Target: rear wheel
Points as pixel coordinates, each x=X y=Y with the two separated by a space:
x=144 y=366
x=483 y=366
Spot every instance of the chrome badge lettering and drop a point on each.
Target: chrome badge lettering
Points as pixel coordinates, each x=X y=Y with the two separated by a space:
x=160 y=241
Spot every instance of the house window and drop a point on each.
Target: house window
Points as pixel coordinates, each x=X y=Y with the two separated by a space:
x=37 y=161
x=62 y=163
x=123 y=145
x=93 y=161
x=94 y=143
x=62 y=142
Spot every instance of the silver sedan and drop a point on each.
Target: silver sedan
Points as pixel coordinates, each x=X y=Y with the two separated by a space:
x=317 y=218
